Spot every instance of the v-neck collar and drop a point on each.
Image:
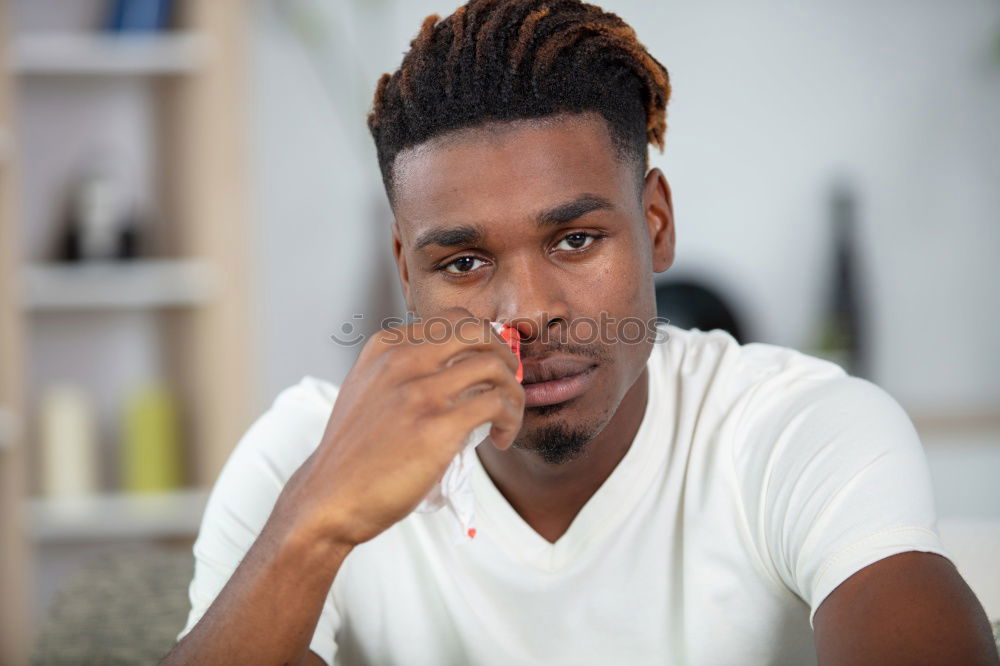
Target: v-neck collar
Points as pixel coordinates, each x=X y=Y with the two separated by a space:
x=606 y=508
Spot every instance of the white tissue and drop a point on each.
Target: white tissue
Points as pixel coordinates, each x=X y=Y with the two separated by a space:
x=454 y=490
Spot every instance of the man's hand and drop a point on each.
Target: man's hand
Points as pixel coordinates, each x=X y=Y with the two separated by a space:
x=402 y=414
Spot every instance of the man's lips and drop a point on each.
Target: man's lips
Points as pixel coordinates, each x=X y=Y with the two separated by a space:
x=556 y=379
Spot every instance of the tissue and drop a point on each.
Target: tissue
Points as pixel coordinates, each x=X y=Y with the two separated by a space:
x=454 y=490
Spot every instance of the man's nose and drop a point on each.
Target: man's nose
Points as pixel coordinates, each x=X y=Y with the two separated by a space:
x=531 y=299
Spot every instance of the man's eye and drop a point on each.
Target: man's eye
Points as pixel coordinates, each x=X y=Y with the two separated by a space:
x=576 y=241
x=463 y=265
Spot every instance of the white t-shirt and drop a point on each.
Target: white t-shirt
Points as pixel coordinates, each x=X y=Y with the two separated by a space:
x=760 y=479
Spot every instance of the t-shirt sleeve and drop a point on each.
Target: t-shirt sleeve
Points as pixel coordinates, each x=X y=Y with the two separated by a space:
x=241 y=501
x=833 y=478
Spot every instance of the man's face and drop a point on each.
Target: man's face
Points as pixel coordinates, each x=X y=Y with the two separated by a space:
x=539 y=222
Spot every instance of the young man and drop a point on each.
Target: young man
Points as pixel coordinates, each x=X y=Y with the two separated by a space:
x=693 y=501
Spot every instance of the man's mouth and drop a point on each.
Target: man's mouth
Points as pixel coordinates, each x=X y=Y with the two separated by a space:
x=556 y=379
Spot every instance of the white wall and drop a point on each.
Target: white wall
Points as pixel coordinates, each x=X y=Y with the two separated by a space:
x=771 y=102
x=903 y=97
x=322 y=223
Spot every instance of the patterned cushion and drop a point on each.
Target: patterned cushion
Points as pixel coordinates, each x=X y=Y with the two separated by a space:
x=125 y=608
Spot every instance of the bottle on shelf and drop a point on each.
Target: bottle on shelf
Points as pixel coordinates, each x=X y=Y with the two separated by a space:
x=69 y=452
x=139 y=16
x=151 y=458
x=101 y=225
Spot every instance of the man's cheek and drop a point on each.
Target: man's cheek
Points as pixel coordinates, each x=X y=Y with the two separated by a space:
x=616 y=290
x=429 y=299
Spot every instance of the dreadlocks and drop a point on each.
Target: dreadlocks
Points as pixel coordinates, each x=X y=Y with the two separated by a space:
x=497 y=60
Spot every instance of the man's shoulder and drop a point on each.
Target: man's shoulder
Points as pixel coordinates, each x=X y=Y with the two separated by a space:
x=290 y=429
x=736 y=389
x=309 y=392
x=299 y=412
x=726 y=363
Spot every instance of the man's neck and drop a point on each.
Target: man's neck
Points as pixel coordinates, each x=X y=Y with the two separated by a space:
x=548 y=497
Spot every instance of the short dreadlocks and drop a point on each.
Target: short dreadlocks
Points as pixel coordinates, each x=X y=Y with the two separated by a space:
x=501 y=60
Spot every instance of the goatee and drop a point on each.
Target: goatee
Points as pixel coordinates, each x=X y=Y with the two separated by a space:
x=557 y=443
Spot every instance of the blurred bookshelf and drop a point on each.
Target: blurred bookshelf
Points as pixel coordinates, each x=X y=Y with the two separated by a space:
x=176 y=312
x=80 y=53
x=120 y=516
x=148 y=283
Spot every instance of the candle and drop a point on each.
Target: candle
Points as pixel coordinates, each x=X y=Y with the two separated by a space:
x=68 y=431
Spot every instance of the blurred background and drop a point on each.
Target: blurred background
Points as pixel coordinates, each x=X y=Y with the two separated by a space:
x=190 y=206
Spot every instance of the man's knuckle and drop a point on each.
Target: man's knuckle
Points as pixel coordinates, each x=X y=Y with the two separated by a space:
x=496 y=402
x=411 y=399
x=403 y=360
x=497 y=365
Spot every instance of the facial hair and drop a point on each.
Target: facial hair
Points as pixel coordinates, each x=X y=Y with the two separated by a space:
x=557 y=443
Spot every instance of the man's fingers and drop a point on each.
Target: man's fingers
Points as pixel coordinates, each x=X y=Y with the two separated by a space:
x=423 y=348
x=474 y=372
x=490 y=406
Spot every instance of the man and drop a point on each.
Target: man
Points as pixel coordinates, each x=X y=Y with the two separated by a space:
x=690 y=501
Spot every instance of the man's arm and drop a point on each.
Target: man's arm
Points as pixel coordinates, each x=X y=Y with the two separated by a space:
x=264 y=588
x=277 y=591
x=909 y=608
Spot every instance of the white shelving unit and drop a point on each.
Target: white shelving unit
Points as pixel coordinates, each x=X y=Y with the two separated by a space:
x=149 y=283
x=168 y=105
x=117 y=516
x=74 y=53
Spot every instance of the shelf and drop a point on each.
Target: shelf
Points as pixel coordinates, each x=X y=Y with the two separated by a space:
x=973 y=419
x=149 y=283
x=116 y=516
x=80 y=53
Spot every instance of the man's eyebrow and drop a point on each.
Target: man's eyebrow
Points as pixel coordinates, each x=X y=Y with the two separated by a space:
x=469 y=235
x=449 y=237
x=568 y=212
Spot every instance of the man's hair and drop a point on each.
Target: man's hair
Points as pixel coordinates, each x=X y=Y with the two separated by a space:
x=503 y=60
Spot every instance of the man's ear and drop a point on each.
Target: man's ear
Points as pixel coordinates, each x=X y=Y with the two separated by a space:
x=401 y=267
x=658 y=209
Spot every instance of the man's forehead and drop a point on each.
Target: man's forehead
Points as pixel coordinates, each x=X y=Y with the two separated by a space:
x=505 y=168
x=498 y=130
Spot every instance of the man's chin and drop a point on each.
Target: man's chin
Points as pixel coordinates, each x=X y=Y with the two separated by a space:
x=555 y=441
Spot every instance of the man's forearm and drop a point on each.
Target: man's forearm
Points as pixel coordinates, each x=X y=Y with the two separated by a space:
x=268 y=610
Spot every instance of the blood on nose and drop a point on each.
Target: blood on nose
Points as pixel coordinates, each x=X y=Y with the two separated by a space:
x=512 y=337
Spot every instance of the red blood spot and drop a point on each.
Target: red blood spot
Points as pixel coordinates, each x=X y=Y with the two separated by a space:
x=512 y=337
x=472 y=532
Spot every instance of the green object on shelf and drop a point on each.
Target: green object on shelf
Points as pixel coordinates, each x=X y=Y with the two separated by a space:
x=151 y=452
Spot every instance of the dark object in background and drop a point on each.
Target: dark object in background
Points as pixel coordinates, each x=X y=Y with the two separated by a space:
x=690 y=304
x=139 y=15
x=101 y=224
x=842 y=329
x=127 y=244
